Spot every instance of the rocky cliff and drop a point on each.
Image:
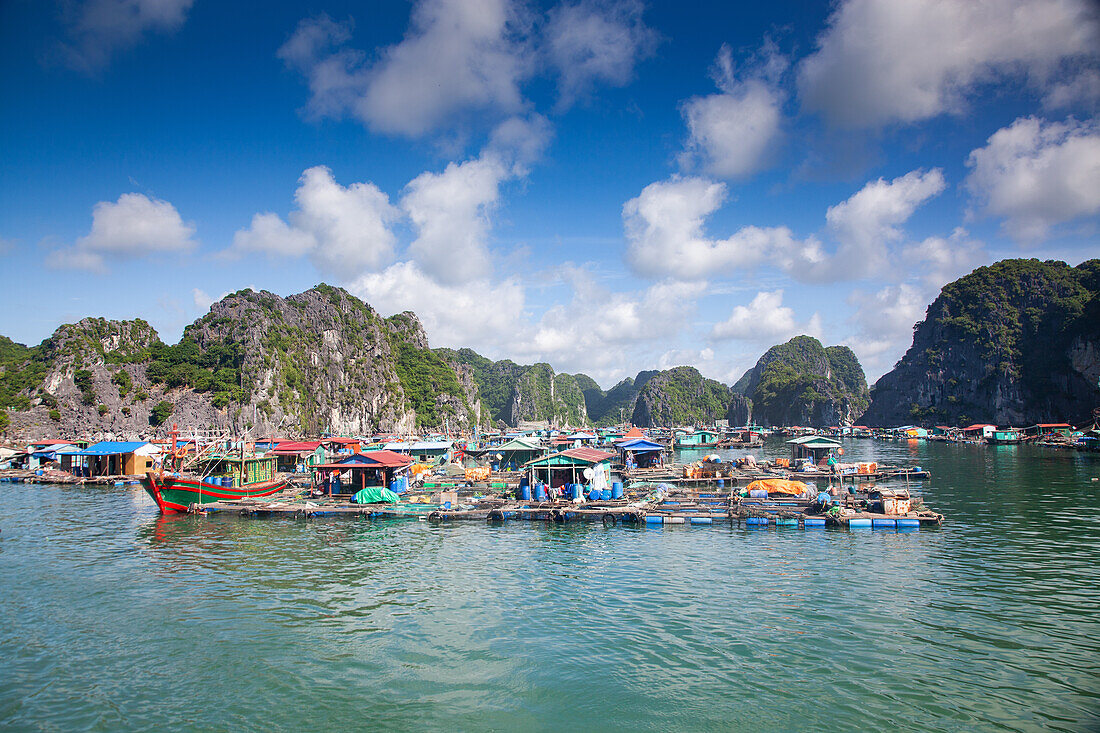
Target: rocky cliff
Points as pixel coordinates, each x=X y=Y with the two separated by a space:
x=803 y=383
x=510 y=393
x=320 y=360
x=681 y=396
x=1014 y=343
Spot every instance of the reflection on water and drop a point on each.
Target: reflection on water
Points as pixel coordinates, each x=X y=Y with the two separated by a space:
x=112 y=616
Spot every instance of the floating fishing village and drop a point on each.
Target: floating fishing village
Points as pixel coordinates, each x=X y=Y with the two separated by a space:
x=605 y=475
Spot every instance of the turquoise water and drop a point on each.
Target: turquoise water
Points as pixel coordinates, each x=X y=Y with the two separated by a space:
x=112 y=617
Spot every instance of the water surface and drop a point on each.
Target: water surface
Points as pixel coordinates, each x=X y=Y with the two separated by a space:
x=113 y=617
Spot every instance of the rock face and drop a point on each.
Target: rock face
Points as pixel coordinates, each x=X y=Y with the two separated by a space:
x=681 y=396
x=1014 y=343
x=803 y=383
x=318 y=361
x=511 y=393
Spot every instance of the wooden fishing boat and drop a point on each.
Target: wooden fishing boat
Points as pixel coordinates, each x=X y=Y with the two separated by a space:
x=212 y=472
x=175 y=493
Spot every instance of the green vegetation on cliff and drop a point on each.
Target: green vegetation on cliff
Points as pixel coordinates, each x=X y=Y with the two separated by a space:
x=681 y=396
x=803 y=383
x=425 y=376
x=22 y=369
x=215 y=369
x=1010 y=343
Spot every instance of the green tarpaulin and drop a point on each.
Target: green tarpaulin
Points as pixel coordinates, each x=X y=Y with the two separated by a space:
x=374 y=495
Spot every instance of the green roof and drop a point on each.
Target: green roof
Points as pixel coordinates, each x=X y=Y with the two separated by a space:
x=814 y=441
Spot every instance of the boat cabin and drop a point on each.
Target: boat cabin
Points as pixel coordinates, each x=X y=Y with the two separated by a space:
x=244 y=471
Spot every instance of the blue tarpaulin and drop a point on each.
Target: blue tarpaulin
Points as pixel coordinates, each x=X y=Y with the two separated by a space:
x=110 y=448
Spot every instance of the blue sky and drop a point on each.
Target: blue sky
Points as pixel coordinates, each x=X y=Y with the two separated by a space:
x=606 y=186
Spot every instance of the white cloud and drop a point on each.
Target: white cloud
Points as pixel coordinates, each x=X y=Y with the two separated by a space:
x=664 y=230
x=98 y=28
x=480 y=315
x=734 y=133
x=269 y=233
x=202 y=299
x=867 y=222
x=134 y=226
x=590 y=43
x=450 y=211
x=883 y=61
x=604 y=333
x=1082 y=89
x=939 y=260
x=336 y=79
x=458 y=58
x=1037 y=174
x=765 y=318
x=884 y=325
x=344 y=230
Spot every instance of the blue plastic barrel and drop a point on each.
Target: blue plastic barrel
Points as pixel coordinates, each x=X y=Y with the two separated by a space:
x=577 y=490
x=540 y=492
x=617 y=490
x=813 y=522
x=758 y=494
x=702 y=520
x=859 y=523
x=787 y=522
x=525 y=492
x=756 y=521
x=399 y=485
x=654 y=519
x=909 y=523
x=884 y=523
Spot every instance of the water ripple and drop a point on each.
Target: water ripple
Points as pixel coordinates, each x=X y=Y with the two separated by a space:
x=114 y=617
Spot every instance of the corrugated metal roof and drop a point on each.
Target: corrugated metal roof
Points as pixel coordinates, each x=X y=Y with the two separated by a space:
x=639 y=444
x=290 y=447
x=374 y=459
x=814 y=440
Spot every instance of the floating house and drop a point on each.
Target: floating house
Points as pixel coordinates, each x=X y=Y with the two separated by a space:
x=296 y=456
x=978 y=431
x=1006 y=436
x=380 y=468
x=816 y=447
x=423 y=451
x=1048 y=428
x=697 y=439
x=60 y=453
x=640 y=452
x=115 y=458
x=516 y=452
x=569 y=466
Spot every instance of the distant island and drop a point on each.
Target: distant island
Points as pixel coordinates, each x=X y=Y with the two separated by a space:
x=1015 y=342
